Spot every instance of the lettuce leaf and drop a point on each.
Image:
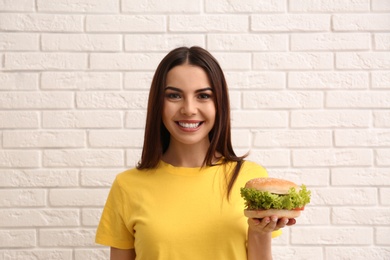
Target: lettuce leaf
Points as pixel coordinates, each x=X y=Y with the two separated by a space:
x=261 y=200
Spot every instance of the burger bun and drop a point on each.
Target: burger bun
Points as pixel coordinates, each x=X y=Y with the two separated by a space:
x=280 y=213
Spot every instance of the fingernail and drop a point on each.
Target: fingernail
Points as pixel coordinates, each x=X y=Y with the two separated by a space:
x=274 y=219
x=285 y=222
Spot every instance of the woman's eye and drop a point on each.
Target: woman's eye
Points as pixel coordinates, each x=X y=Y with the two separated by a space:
x=204 y=96
x=173 y=96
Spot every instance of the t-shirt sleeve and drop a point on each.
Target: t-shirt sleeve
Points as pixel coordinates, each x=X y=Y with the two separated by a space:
x=112 y=230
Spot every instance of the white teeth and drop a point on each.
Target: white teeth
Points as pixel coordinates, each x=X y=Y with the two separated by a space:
x=189 y=125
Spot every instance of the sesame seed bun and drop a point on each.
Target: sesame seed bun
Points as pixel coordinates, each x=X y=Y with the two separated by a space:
x=273 y=185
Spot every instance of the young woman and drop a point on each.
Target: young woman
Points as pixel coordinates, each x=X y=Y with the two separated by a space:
x=183 y=199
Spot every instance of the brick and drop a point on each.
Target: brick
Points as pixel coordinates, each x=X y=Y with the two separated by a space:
x=270 y=158
x=314 y=216
x=330 y=118
x=329 y=6
x=22 y=197
x=81 y=119
x=81 y=80
x=18 y=158
x=255 y=80
x=98 y=178
x=92 y=254
x=125 y=61
x=344 y=196
x=36 y=100
x=208 y=23
x=382 y=237
x=19 y=119
x=18 y=81
x=36 y=254
x=358 y=99
x=330 y=41
x=366 y=60
x=17 y=5
x=34 y=22
x=76 y=6
x=78 y=197
x=38 y=178
x=81 y=42
x=22 y=139
x=290 y=22
x=241 y=138
x=39 y=217
x=116 y=139
x=156 y=6
x=90 y=217
x=361 y=22
x=332 y=157
x=138 y=80
x=332 y=235
x=360 y=177
x=74 y=237
x=255 y=119
x=135 y=119
x=249 y=6
x=19 y=41
x=381 y=118
x=328 y=80
x=292 y=61
x=101 y=99
x=360 y=216
x=380 y=5
x=17 y=238
x=384 y=196
x=380 y=80
x=82 y=158
x=308 y=176
x=247 y=42
x=125 y=23
x=382 y=157
x=235 y=100
x=292 y=138
x=355 y=252
x=45 y=61
x=282 y=99
x=234 y=61
x=295 y=252
x=133 y=157
x=382 y=41
x=161 y=42
x=362 y=138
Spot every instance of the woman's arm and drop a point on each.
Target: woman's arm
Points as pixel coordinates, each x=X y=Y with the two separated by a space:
x=260 y=236
x=122 y=254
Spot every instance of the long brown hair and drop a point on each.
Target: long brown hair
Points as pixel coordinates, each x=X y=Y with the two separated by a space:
x=157 y=137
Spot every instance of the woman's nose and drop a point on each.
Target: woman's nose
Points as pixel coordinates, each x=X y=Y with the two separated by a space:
x=189 y=108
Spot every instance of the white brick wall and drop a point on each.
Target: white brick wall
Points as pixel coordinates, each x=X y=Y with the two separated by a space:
x=310 y=92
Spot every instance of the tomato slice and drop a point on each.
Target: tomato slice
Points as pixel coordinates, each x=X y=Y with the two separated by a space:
x=302 y=208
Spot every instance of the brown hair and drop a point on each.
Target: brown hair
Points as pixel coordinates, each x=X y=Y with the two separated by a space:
x=157 y=137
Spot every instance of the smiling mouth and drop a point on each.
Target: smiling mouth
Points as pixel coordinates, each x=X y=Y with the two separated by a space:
x=189 y=125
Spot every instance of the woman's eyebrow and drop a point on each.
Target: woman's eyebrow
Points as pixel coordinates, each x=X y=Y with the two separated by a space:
x=173 y=88
x=181 y=91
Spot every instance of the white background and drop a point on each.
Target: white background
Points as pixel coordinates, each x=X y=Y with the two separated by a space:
x=309 y=83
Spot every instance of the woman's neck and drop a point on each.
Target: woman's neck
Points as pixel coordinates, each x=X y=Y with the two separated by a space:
x=185 y=155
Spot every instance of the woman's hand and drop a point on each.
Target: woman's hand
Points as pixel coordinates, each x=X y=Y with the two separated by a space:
x=269 y=224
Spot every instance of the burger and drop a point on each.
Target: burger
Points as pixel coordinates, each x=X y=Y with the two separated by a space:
x=265 y=197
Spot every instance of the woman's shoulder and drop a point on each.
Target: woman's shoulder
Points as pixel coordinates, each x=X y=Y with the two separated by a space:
x=254 y=169
x=130 y=175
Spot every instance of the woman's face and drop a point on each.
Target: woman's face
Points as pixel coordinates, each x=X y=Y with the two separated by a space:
x=189 y=108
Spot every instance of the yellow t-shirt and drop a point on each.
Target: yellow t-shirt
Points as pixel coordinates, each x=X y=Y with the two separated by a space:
x=176 y=213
